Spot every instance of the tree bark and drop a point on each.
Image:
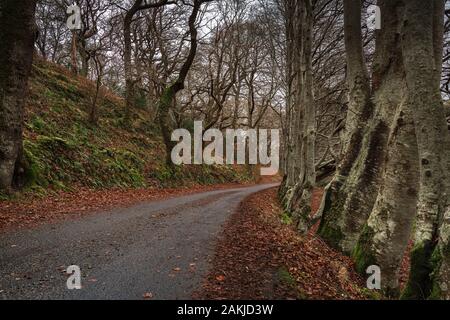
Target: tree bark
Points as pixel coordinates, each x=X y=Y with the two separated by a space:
x=421 y=46
x=349 y=210
x=387 y=232
x=17 y=36
x=128 y=68
x=291 y=145
x=299 y=203
x=360 y=112
x=360 y=106
x=73 y=52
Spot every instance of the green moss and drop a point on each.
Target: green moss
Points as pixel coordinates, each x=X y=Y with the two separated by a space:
x=285 y=277
x=37 y=124
x=166 y=98
x=332 y=235
x=140 y=99
x=53 y=143
x=436 y=261
x=419 y=284
x=33 y=175
x=372 y=294
x=35 y=170
x=65 y=151
x=174 y=176
x=286 y=218
x=362 y=253
x=329 y=228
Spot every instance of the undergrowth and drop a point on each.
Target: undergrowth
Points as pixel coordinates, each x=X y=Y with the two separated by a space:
x=66 y=151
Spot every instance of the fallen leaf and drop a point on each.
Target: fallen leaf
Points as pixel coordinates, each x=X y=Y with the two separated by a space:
x=148 y=295
x=220 y=278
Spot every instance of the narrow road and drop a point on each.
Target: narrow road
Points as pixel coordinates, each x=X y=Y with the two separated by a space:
x=162 y=248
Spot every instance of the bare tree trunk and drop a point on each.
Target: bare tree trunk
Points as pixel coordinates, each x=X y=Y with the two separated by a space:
x=138 y=5
x=300 y=203
x=93 y=114
x=349 y=212
x=360 y=106
x=291 y=112
x=387 y=232
x=73 y=53
x=17 y=36
x=129 y=81
x=360 y=112
x=168 y=97
x=85 y=57
x=421 y=44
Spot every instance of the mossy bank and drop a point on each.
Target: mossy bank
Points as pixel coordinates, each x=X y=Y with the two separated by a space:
x=65 y=151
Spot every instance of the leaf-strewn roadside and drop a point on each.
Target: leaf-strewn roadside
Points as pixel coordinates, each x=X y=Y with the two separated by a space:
x=260 y=256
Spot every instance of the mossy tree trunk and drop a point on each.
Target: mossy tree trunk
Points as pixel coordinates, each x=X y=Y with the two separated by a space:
x=387 y=232
x=391 y=191
x=360 y=106
x=440 y=260
x=355 y=187
x=17 y=36
x=422 y=48
x=165 y=122
x=396 y=166
x=360 y=112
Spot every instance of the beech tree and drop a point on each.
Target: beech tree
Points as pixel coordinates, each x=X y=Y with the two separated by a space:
x=313 y=55
x=398 y=151
x=17 y=37
x=301 y=171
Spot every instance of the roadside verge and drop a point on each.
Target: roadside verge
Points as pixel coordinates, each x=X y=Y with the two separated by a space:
x=260 y=256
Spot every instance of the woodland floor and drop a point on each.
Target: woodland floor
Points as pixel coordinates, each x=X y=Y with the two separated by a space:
x=260 y=257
